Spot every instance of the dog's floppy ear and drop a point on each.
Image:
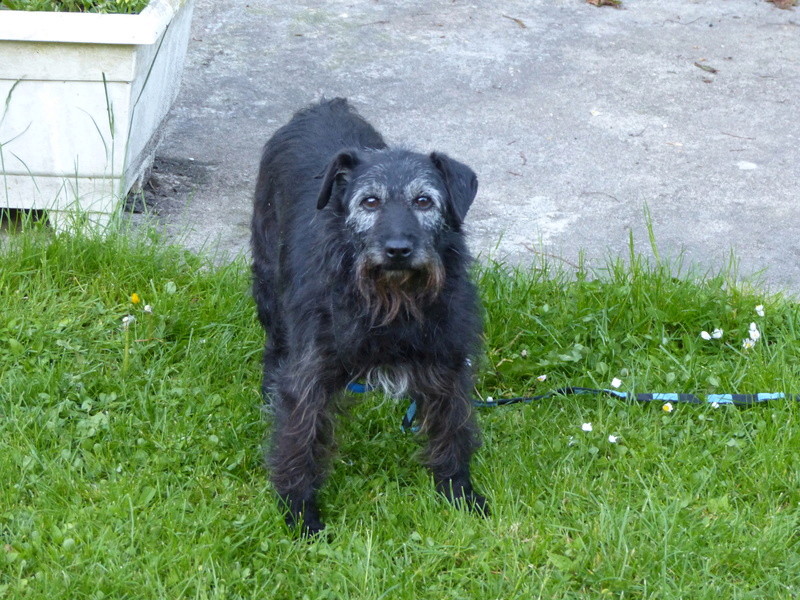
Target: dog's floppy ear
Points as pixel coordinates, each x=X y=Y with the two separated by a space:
x=461 y=181
x=338 y=170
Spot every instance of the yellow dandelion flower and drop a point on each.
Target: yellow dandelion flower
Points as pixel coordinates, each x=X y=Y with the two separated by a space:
x=135 y=298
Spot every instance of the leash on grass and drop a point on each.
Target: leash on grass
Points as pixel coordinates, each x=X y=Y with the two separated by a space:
x=713 y=399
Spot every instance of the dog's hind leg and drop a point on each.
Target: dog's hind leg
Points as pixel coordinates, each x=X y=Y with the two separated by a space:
x=442 y=397
x=302 y=440
x=273 y=351
x=265 y=294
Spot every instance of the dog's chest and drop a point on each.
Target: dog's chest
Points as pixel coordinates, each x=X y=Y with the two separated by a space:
x=398 y=343
x=394 y=380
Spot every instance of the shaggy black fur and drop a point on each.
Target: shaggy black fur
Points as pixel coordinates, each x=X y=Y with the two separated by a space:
x=360 y=270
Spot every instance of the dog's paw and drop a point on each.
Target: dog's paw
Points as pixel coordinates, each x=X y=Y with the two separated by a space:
x=465 y=497
x=472 y=502
x=308 y=528
x=476 y=503
x=303 y=515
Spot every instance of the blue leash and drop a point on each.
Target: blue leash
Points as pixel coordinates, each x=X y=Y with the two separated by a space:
x=720 y=399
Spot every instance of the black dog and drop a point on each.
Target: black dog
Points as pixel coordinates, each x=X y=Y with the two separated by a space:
x=360 y=270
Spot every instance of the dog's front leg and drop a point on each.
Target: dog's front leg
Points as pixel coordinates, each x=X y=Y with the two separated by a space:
x=302 y=438
x=453 y=435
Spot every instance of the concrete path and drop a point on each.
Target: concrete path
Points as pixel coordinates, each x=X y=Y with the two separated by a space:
x=577 y=119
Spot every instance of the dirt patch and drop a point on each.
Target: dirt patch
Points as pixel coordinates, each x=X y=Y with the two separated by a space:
x=170 y=183
x=784 y=4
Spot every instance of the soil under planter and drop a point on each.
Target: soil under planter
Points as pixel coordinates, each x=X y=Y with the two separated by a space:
x=82 y=100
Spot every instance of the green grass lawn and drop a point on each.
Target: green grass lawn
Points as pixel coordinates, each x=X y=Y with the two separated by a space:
x=95 y=6
x=130 y=457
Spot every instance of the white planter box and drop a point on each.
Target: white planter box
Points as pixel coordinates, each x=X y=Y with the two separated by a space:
x=82 y=99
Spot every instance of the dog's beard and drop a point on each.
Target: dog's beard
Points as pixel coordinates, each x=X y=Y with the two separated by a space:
x=389 y=293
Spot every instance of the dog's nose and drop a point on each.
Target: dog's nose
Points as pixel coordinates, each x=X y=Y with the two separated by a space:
x=398 y=249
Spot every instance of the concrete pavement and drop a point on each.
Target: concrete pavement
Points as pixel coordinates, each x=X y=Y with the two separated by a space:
x=575 y=118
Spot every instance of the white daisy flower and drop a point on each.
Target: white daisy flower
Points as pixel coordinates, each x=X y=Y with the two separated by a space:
x=587 y=427
x=668 y=408
x=616 y=382
x=760 y=310
x=714 y=335
x=613 y=439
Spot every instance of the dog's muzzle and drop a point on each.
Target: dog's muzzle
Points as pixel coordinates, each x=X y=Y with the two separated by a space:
x=399 y=279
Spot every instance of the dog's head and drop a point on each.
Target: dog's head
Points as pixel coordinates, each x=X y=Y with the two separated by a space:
x=399 y=208
x=398 y=203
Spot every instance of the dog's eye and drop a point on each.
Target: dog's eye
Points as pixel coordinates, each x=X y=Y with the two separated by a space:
x=422 y=202
x=371 y=203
